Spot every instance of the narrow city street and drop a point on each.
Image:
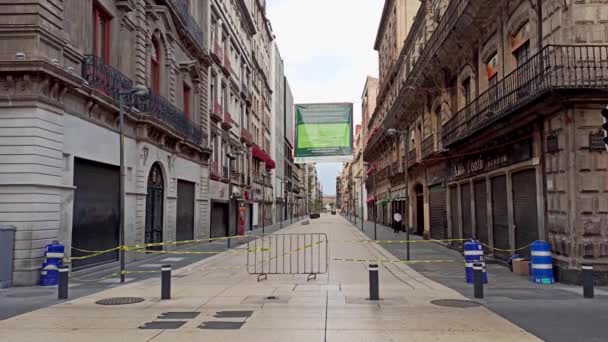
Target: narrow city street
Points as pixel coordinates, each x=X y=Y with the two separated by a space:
x=216 y=299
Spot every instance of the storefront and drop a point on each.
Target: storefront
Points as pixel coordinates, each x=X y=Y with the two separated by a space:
x=494 y=197
x=218 y=192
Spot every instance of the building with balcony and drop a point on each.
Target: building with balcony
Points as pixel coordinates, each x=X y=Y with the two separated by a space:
x=500 y=101
x=64 y=77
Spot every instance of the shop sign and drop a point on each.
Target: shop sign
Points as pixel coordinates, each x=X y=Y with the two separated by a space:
x=490 y=160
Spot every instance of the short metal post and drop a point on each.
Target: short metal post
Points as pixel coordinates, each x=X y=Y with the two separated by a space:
x=478 y=280
x=165 y=282
x=588 y=291
x=62 y=288
x=374 y=288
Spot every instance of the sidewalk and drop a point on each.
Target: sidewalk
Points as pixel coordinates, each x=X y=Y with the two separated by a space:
x=552 y=312
x=20 y=300
x=225 y=303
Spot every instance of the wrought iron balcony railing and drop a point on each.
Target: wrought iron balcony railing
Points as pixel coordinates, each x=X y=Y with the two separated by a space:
x=104 y=78
x=428 y=146
x=183 y=11
x=160 y=108
x=215 y=170
x=112 y=82
x=554 y=67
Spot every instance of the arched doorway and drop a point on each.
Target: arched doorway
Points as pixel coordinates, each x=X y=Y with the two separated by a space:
x=419 y=209
x=154 y=206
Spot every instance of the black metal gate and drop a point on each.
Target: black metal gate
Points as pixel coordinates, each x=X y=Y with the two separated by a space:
x=467 y=220
x=96 y=216
x=219 y=222
x=454 y=213
x=500 y=216
x=185 y=211
x=481 y=211
x=154 y=207
x=439 y=227
x=525 y=210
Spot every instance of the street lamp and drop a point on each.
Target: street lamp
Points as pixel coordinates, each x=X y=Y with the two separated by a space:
x=138 y=90
x=397 y=133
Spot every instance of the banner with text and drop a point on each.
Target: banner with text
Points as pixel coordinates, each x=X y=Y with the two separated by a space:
x=324 y=132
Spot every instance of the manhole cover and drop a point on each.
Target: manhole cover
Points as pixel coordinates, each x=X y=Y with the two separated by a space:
x=31 y=294
x=120 y=301
x=455 y=303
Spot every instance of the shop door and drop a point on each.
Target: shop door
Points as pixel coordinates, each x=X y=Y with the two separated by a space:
x=154 y=207
x=219 y=214
x=185 y=211
x=439 y=225
x=481 y=211
x=454 y=213
x=467 y=220
x=96 y=217
x=525 y=210
x=500 y=216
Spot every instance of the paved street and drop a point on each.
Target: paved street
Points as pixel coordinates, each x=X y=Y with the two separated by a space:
x=216 y=299
x=19 y=300
x=556 y=313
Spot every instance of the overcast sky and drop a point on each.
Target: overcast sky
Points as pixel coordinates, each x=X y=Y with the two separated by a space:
x=328 y=50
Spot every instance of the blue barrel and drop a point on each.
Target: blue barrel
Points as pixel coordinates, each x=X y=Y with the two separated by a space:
x=541 y=263
x=53 y=260
x=473 y=254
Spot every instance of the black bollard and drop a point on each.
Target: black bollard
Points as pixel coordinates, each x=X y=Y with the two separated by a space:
x=374 y=288
x=588 y=291
x=478 y=280
x=62 y=288
x=165 y=282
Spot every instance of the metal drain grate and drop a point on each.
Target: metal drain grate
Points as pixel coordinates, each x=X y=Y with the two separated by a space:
x=120 y=301
x=233 y=314
x=221 y=325
x=455 y=303
x=178 y=315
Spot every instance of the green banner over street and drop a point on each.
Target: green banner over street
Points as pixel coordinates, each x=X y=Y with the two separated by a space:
x=324 y=132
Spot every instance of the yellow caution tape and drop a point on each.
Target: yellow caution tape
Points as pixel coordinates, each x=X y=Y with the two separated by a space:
x=405 y=241
x=507 y=250
x=381 y=261
x=195 y=252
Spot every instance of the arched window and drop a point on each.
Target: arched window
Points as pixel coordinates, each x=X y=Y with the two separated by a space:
x=155 y=66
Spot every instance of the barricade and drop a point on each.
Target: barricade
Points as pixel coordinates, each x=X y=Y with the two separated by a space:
x=288 y=254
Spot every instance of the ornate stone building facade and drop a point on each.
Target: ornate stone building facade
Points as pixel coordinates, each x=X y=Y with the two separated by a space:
x=501 y=101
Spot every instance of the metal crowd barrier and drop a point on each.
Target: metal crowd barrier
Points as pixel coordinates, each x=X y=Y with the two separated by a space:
x=288 y=254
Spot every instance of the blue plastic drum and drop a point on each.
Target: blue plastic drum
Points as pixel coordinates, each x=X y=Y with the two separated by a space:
x=541 y=263
x=53 y=260
x=473 y=254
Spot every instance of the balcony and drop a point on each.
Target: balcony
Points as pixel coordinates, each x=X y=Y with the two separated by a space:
x=215 y=171
x=193 y=29
x=227 y=120
x=554 y=68
x=428 y=146
x=217 y=113
x=227 y=65
x=225 y=172
x=246 y=137
x=412 y=158
x=111 y=82
x=216 y=53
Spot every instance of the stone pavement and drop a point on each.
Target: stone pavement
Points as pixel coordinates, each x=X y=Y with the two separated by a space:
x=219 y=300
x=556 y=313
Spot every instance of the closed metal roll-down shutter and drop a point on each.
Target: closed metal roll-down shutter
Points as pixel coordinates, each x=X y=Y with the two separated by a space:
x=219 y=215
x=525 y=215
x=454 y=213
x=185 y=211
x=96 y=216
x=439 y=227
x=500 y=216
x=481 y=211
x=467 y=221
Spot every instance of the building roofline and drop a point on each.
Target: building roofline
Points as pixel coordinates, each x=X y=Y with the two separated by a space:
x=382 y=25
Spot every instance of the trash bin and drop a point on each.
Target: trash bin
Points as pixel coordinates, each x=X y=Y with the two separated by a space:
x=7 y=245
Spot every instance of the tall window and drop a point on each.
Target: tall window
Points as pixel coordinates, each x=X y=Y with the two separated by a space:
x=522 y=53
x=155 y=66
x=187 y=100
x=101 y=33
x=466 y=90
x=213 y=90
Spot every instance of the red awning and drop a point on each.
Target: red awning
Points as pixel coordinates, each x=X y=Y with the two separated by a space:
x=259 y=154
